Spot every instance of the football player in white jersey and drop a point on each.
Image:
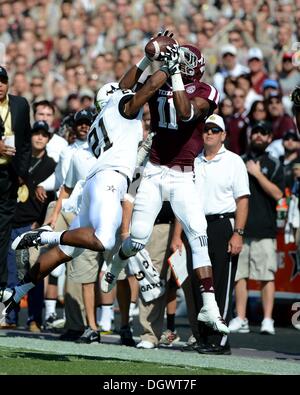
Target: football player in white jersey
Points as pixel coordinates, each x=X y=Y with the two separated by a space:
x=114 y=139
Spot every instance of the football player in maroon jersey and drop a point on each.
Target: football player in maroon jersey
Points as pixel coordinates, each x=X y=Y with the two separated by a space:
x=178 y=111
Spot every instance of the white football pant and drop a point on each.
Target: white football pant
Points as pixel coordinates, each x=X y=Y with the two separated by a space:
x=100 y=209
x=161 y=183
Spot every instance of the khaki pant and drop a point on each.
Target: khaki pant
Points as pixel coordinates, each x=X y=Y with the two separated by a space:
x=152 y=313
x=74 y=307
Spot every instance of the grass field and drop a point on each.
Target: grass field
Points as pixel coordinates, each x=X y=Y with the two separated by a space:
x=25 y=362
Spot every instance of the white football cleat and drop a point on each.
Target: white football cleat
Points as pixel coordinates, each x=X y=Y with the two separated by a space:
x=210 y=315
x=6 y=298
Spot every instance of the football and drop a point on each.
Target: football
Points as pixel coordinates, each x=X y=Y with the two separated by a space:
x=157 y=45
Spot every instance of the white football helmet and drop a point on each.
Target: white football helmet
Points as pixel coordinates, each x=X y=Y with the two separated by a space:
x=104 y=94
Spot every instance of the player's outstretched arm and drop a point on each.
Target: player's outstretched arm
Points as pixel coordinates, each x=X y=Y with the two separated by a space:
x=132 y=76
x=143 y=95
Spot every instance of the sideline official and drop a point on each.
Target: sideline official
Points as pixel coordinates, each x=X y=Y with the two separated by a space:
x=222 y=179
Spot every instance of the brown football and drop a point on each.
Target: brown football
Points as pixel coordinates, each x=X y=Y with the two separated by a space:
x=157 y=45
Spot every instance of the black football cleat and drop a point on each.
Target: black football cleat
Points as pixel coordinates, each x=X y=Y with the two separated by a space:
x=31 y=238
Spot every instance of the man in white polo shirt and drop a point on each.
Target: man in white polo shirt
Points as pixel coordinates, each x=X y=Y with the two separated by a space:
x=223 y=182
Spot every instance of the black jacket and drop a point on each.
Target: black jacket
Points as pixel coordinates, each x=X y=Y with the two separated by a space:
x=33 y=210
x=20 y=123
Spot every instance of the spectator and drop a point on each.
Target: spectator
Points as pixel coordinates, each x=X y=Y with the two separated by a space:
x=237 y=124
x=287 y=151
x=244 y=82
x=226 y=109
x=289 y=77
x=30 y=214
x=257 y=71
x=45 y=111
x=229 y=67
x=280 y=121
x=258 y=259
x=15 y=153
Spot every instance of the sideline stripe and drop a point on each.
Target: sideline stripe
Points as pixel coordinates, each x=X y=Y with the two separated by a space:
x=175 y=358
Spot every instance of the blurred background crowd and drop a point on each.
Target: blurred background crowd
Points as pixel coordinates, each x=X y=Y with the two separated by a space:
x=64 y=50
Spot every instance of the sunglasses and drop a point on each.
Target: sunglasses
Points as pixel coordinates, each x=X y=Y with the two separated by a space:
x=213 y=130
x=263 y=132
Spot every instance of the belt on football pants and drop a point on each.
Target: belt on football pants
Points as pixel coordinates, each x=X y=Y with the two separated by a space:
x=215 y=217
x=127 y=178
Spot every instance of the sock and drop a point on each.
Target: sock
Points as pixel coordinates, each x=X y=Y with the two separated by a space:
x=209 y=299
x=171 y=322
x=131 y=307
x=21 y=290
x=51 y=238
x=206 y=285
x=106 y=317
x=50 y=308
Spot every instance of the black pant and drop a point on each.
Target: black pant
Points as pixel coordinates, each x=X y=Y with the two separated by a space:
x=8 y=202
x=224 y=267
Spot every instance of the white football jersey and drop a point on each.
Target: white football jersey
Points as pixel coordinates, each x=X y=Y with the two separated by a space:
x=114 y=138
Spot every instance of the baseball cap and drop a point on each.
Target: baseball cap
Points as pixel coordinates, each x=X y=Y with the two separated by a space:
x=268 y=83
x=262 y=125
x=216 y=120
x=85 y=92
x=3 y=73
x=272 y=95
x=40 y=125
x=83 y=114
x=290 y=135
x=229 y=48
x=287 y=55
x=255 y=53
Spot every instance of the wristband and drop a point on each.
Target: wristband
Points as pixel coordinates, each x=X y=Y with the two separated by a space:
x=165 y=70
x=129 y=198
x=143 y=63
x=177 y=83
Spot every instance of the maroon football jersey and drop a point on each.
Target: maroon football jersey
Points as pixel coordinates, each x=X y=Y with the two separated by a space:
x=177 y=143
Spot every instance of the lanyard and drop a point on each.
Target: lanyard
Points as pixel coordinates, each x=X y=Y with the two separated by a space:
x=6 y=116
x=30 y=170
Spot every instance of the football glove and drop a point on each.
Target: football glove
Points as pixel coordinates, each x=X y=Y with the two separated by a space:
x=172 y=59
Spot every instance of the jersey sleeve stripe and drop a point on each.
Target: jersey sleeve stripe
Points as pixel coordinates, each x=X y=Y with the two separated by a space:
x=212 y=94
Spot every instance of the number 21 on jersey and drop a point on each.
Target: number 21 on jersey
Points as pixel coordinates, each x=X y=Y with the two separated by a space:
x=98 y=139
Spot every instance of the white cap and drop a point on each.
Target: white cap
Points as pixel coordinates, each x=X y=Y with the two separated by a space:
x=216 y=120
x=255 y=53
x=229 y=48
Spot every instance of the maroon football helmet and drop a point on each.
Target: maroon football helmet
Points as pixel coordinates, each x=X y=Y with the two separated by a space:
x=192 y=63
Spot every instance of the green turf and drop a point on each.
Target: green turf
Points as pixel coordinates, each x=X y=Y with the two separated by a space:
x=21 y=361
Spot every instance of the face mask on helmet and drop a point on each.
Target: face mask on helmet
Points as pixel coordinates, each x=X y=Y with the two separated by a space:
x=104 y=94
x=192 y=64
